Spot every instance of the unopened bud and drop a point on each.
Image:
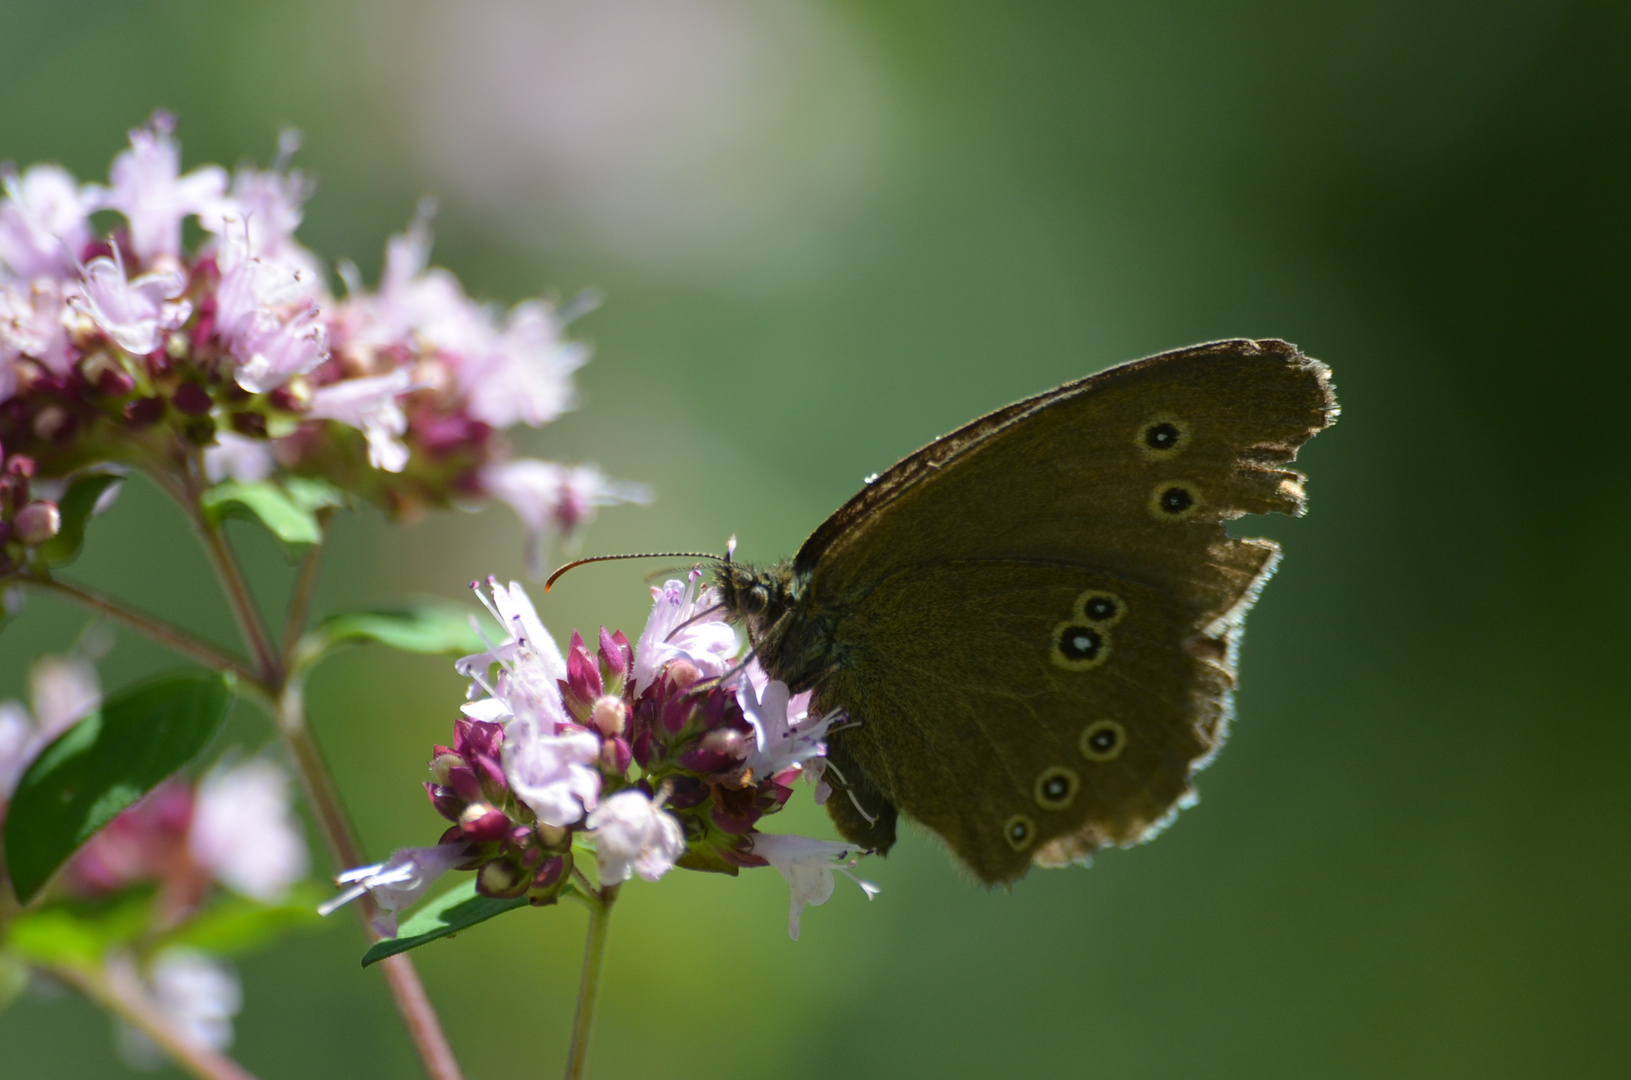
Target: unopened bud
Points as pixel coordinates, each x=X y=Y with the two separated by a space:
x=442 y=765
x=683 y=673
x=481 y=822
x=37 y=522
x=293 y=396
x=501 y=879
x=552 y=836
x=192 y=399
x=609 y=715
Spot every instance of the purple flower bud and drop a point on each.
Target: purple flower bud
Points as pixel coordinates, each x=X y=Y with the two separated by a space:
x=686 y=792
x=445 y=800
x=463 y=780
x=549 y=873
x=609 y=715
x=716 y=751
x=481 y=822
x=472 y=737
x=192 y=399
x=615 y=656
x=144 y=412
x=293 y=396
x=37 y=522
x=114 y=383
x=618 y=755
x=249 y=423
x=444 y=762
x=502 y=880
x=643 y=744
x=581 y=673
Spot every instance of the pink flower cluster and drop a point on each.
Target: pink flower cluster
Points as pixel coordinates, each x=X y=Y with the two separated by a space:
x=126 y=347
x=666 y=753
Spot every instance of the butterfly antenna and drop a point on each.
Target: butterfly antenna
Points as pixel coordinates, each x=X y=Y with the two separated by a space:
x=613 y=558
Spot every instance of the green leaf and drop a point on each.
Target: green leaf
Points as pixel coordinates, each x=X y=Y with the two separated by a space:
x=433 y=627
x=292 y=520
x=235 y=925
x=455 y=910
x=311 y=494
x=79 y=935
x=104 y=763
x=76 y=506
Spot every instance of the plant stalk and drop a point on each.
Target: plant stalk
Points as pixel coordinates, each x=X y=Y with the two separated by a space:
x=118 y=989
x=149 y=626
x=594 y=958
x=239 y=597
x=339 y=837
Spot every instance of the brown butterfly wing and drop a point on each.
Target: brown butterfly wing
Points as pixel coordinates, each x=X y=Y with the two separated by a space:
x=1067 y=475
x=985 y=721
x=1128 y=474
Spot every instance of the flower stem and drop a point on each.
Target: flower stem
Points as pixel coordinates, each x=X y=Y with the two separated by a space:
x=239 y=597
x=289 y=711
x=147 y=625
x=305 y=587
x=418 y=1014
x=117 y=989
x=594 y=957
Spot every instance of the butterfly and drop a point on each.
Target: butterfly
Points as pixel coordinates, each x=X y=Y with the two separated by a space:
x=1032 y=622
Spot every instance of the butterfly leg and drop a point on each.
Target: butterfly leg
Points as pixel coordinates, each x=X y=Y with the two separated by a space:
x=860 y=811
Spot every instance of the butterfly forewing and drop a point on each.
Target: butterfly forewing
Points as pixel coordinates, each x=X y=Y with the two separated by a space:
x=1033 y=618
x=1134 y=469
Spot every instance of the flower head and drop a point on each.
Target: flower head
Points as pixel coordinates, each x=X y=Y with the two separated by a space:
x=197 y=993
x=244 y=830
x=555 y=498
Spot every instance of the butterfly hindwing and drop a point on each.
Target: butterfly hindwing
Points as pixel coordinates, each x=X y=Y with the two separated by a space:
x=1024 y=709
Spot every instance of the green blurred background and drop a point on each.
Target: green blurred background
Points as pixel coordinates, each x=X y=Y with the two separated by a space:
x=830 y=231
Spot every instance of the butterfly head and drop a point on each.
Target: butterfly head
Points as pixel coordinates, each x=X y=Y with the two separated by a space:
x=756 y=596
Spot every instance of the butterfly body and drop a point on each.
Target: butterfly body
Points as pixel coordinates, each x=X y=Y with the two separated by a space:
x=1033 y=620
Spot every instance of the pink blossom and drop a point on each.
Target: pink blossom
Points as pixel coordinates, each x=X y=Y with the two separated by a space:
x=31 y=325
x=634 y=835
x=784 y=736
x=244 y=830
x=414 y=304
x=808 y=865
x=197 y=993
x=148 y=189
x=563 y=498
x=530 y=665
x=396 y=883
x=43 y=222
x=268 y=318
x=554 y=773
x=265 y=206
x=64 y=690
x=371 y=406
x=684 y=625
x=137 y=313
x=524 y=376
